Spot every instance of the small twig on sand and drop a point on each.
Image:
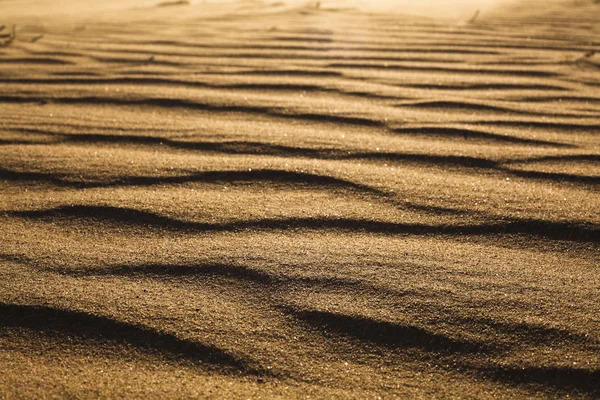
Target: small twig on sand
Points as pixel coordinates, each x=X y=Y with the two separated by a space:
x=589 y=54
x=36 y=38
x=2 y=27
x=173 y=3
x=585 y=56
x=586 y=59
x=10 y=38
x=474 y=17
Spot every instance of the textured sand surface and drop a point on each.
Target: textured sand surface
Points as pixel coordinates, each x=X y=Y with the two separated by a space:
x=252 y=199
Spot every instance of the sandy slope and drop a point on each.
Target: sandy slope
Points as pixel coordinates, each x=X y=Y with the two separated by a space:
x=261 y=200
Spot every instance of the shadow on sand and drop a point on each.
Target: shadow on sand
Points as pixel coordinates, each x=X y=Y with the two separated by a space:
x=88 y=328
x=133 y=218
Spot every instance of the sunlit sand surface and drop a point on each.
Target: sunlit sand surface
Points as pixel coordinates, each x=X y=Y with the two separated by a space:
x=251 y=199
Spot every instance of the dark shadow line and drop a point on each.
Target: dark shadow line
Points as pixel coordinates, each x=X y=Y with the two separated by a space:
x=568 y=379
x=474 y=71
x=36 y=60
x=135 y=218
x=285 y=87
x=486 y=86
x=85 y=326
x=245 y=147
x=530 y=334
x=254 y=176
x=476 y=135
x=556 y=126
x=17 y=258
x=9 y=142
x=515 y=333
x=52 y=178
x=282 y=72
x=286 y=46
x=307 y=39
x=239 y=272
x=555 y=176
x=135 y=61
x=441 y=161
x=27 y=128
x=385 y=334
x=444 y=161
x=475 y=107
x=187 y=104
x=251 y=55
x=587 y=158
x=258 y=177
x=398 y=336
x=242 y=274
x=502 y=336
x=283 y=151
x=547 y=99
x=173 y=82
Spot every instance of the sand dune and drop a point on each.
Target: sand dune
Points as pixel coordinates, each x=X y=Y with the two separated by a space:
x=250 y=199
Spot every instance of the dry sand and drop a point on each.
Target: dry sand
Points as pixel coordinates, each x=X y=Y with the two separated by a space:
x=252 y=199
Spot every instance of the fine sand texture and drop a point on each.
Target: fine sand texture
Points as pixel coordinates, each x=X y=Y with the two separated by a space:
x=261 y=199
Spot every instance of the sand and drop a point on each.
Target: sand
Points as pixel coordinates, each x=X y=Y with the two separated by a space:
x=252 y=199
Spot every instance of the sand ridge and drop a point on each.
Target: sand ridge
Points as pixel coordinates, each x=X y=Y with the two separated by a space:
x=251 y=199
